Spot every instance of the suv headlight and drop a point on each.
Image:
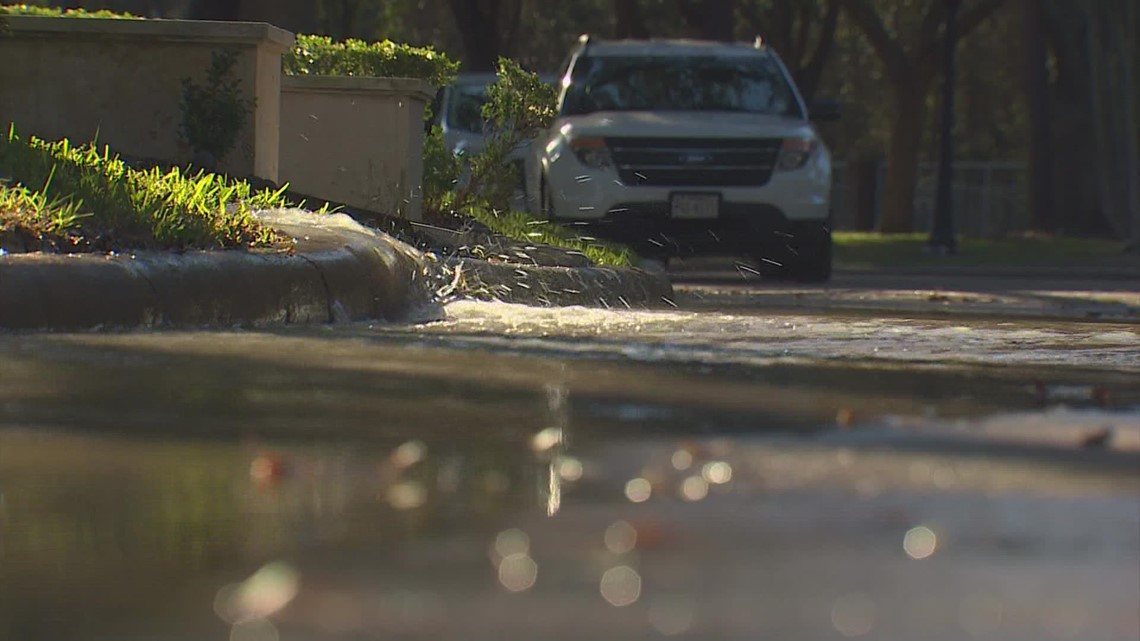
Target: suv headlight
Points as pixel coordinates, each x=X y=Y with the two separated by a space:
x=795 y=152
x=592 y=152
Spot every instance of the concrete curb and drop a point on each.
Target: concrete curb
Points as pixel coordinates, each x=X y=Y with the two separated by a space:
x=334 y=276
x=1060 y=273
x=560 y=286
x=341 y=271
x=215 y=289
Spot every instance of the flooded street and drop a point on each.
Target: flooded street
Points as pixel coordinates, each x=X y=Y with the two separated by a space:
x=526 y=473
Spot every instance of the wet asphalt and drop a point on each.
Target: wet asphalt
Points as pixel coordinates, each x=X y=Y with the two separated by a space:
x=723 y=470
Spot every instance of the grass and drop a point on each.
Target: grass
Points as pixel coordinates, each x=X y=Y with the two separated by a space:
x=873 y=250
x=522 y=226
x=57 y=196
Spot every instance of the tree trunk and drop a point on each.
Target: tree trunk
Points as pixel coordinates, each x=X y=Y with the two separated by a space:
x=807 y=78
x=214 y=10
x=1077 y=205
x=477 y=21
x=718 y=20
x=1112 y=31
x=298 y=16
x=902 y=156
x=1041 y=195
x=628 y=20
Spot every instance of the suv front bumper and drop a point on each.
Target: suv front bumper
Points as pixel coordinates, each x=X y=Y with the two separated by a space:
x=740 y=230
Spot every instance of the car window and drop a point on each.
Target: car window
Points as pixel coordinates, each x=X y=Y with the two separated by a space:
x=436 y=108
x=750 y=84
x=465 y=108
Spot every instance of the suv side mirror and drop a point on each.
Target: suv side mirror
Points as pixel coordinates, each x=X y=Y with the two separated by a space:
x=824 y=110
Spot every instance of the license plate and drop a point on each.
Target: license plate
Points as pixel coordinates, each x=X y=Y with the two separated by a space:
x=695 y=206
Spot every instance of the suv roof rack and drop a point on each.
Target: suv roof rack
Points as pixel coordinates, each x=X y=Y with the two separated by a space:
x=583 y=42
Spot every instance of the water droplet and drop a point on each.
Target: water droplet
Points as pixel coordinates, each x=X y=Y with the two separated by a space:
x=621 y=586
x=638 y=490
x=518 y=572
x=682 y=460
x=717 y=472
x=694 y=488
x=570 y=468
x=621 y=537
x=409 y=454
x=511 y=542
x=546 y=439
x=407 y=495
x=920 y=542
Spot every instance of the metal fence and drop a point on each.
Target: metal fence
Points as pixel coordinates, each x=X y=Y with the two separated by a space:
x=990 y=198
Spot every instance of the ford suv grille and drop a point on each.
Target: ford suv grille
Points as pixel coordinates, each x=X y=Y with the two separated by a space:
x=694 y=162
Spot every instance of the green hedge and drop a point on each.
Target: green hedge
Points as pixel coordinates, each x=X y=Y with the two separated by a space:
x=56 y=12
x=321 y=56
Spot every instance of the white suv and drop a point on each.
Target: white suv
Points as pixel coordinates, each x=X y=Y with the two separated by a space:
x=683 y=147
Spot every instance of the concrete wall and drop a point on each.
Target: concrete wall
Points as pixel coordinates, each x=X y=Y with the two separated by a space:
x=121 y=80
x=357 y=141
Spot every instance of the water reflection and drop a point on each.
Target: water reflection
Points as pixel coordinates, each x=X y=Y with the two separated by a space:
x=181 y=486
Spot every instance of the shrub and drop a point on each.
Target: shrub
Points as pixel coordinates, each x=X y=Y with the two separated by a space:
x=56 y=12
x=213 y=114
x=519 y=107
x=321 y=56
x=441 y=171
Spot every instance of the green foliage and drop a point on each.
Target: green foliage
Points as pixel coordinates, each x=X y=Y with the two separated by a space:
x=99 y=202
x=520 y=226
x=214 y=114
x=56 y=12
x=321 y=56
x=441 y=170
x=519 y=106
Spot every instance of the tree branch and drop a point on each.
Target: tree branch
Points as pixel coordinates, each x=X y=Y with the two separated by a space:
x=629 y=22
x=890 y=51
x=969 y=19
x=511 y=33
x=691 y=11
x=809 y=78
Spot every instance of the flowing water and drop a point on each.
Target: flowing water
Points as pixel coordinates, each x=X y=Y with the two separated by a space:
x=520 y=473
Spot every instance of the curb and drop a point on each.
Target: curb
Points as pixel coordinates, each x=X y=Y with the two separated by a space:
x=336 y=275
x=216 y=289
x=341 y=272
x=1060 y=273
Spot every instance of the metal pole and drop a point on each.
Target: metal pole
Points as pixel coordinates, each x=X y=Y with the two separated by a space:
x=942 y=240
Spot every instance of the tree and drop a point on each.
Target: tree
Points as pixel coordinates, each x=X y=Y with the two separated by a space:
x=489 y=29
x=911 y=64
x=803 y=33
x=1113 y=27
x=629 y=22
x=214 y=10
x=1041 y=194
x=710 y=19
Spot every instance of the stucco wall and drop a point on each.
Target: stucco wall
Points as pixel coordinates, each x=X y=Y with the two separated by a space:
x=358 y=141
x=121 y=80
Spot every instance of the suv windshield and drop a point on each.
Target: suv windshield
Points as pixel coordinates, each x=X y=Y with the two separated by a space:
x=752 y=84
